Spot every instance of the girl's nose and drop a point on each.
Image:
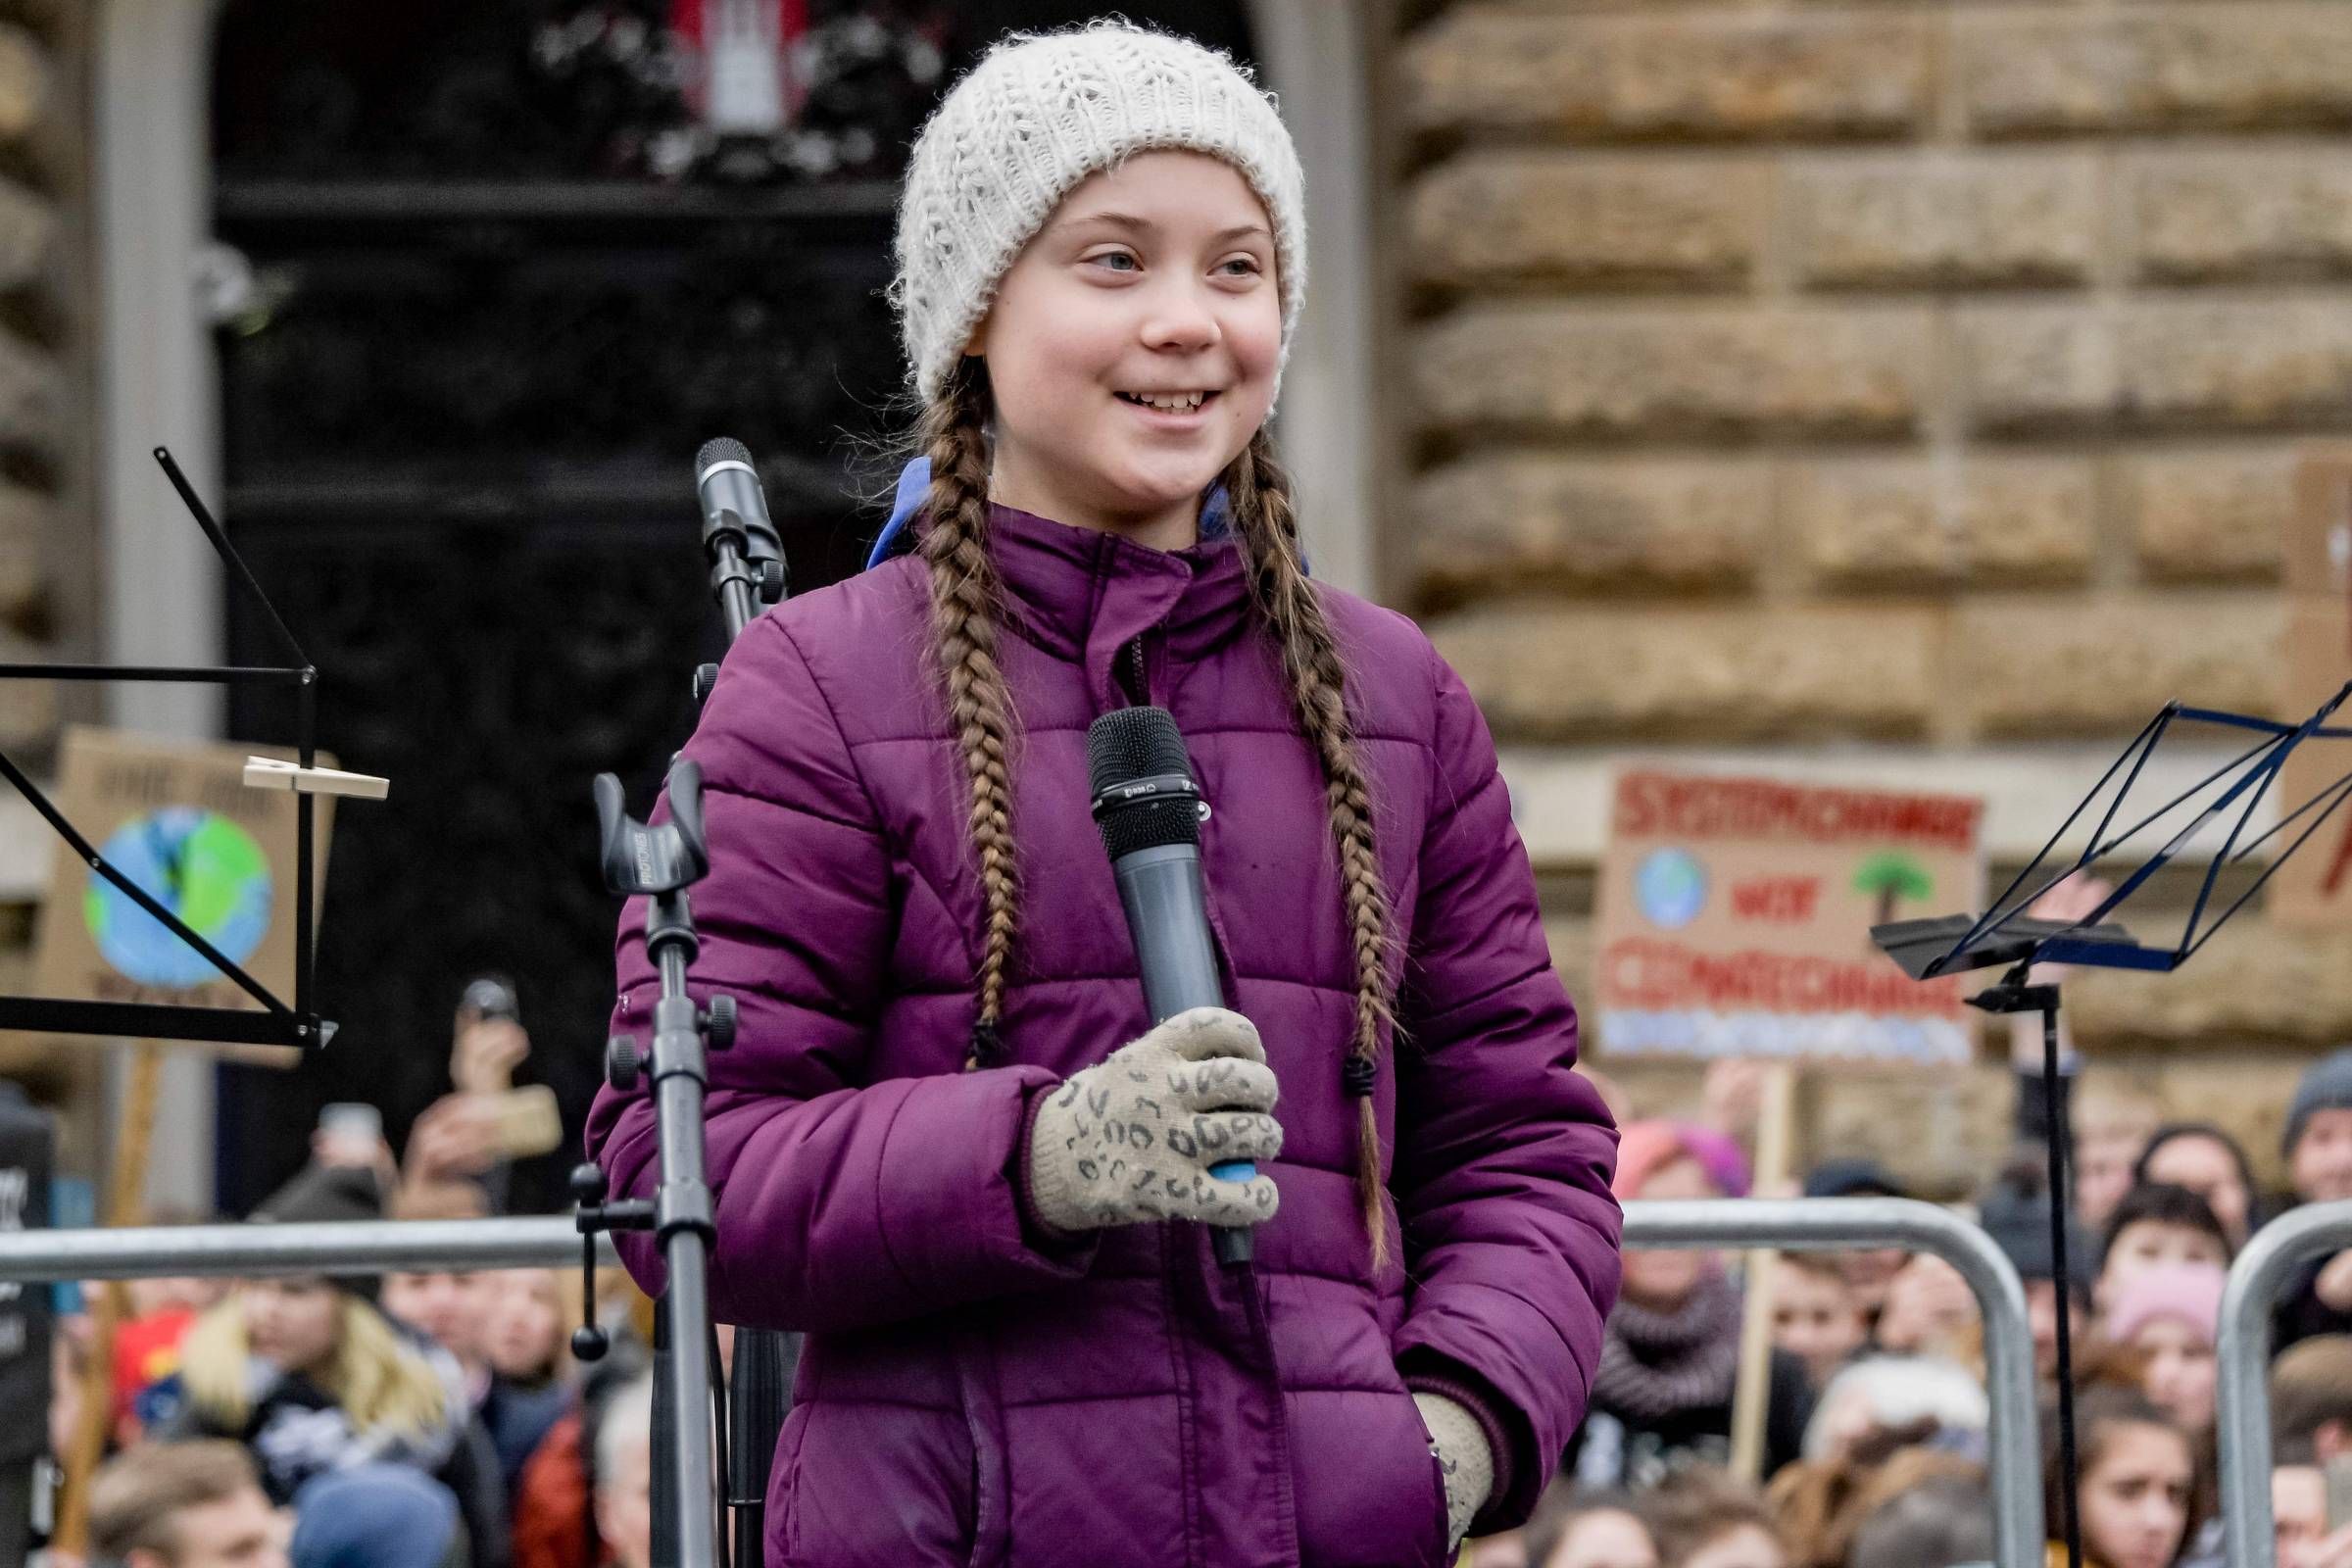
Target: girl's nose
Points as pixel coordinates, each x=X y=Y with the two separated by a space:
x=1180 y=319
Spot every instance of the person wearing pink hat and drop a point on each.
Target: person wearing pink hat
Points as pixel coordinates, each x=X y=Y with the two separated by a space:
x=1662 y=1394
x=2170 y=1314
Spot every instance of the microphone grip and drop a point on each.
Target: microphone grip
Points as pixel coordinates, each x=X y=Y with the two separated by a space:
x=1168 y=910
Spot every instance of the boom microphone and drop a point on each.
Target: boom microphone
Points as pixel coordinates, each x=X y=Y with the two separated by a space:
x=1149 y=810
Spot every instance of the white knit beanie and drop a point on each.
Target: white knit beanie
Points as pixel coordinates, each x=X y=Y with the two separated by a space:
x=1037 y=116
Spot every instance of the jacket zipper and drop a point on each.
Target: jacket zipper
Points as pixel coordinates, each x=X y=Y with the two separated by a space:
x=1138 y=692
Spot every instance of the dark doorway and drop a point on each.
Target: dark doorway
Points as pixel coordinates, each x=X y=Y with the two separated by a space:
x=498 y=287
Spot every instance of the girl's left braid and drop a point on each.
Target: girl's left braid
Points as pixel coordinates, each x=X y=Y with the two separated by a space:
x=964 y=633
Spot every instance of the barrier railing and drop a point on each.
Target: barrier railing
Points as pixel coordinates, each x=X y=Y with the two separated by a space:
x=2242 y=1402
x=1787 y=1224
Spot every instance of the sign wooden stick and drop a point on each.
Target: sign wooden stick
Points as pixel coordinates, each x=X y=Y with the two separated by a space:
x=126 y=1204
x=1751 y=1393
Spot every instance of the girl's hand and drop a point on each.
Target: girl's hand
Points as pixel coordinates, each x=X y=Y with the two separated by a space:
x=1131 y=1140
x=1461 y=1444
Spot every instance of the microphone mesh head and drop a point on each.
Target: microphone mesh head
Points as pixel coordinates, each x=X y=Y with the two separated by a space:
x=723 y=449
x=1136 y=743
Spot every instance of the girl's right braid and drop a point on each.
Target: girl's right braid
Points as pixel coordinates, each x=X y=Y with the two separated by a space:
x=963 y=630
x=1269 y=530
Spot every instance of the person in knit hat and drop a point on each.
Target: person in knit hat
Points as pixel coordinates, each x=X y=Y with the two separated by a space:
x=951 y=1144
x=2318 y=1144
x=2170 y=1315
x=1662 y=1393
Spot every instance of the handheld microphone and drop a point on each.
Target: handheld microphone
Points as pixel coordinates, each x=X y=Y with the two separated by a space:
x=1148 y=810
x=747 y=553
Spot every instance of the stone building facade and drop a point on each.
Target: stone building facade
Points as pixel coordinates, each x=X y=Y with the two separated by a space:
x=1917 y=380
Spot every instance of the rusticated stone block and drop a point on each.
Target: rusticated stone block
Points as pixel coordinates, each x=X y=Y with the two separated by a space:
x=1504 y=218
x=2254 y=981
x=2218 y=514
x=2209 y=217
x=1916 y=220
x=2101 y=666
x=23 y=560
x=1904 y=521
x=1941 y=1144
x=2035 y=368
x=28 y=712
x=1588 y=672
x=1712 y=75
x=25 y=82
x=2167 y=365
x=31 y=396
x=1506 y=522
x=2168 y=67
x=1704 y=369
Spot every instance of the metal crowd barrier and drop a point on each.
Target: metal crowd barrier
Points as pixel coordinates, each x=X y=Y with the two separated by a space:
x=1787 y=1224
x=2242 y=1402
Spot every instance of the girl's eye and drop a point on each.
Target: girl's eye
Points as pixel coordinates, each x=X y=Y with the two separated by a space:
x=1248 y=267
x=1115 y=256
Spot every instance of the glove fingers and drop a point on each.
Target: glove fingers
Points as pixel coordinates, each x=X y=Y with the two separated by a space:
x=1250 y=1203
x=1209 y=1032
x=1222 y=1084
x=1215 y=1137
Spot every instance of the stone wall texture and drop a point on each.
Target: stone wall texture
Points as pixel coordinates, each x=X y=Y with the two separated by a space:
x=1923 y=372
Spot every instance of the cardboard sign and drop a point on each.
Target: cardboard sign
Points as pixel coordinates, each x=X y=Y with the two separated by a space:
x=1736 y=917
x=2314 y=889
x=175 y=817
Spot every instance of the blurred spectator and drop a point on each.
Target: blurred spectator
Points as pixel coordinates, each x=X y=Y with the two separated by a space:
x=624 y=1475
x=2136 y=1491
x=2299 y=1520
x=2112 y=1125
x=2311 y=1398
x=1662 y=1393
x=1575 y=1528
x=448 y=1306
x=1819 y=1506
x=1916 y=1399
x=376 y=1516
x=1702 y=1519
x=1815 y=1315
x=1941 y=1520
x=525 y=1341
x=2155 y=1225
x=197 y=1505
x=311 y=1376
x=2209 y=1163
x=2317 y=1146
x=1870 y=1272
x=1930 y=1311
x=2019 y=1223
x=2170 y=1314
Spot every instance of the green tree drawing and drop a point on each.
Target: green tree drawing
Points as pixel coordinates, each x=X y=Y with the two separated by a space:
x=1892 y=876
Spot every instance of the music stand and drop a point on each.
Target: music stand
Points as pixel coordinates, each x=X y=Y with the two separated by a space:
x=2005 y=935
x=277 y=1024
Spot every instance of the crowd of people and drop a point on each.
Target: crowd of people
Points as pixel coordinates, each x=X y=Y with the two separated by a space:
x=438 y=1420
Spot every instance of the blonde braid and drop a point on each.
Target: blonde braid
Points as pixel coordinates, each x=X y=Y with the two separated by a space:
x=965 y=598
x=1268 y=530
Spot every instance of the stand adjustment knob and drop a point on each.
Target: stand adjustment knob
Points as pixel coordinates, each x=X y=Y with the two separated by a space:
x=587 y=1182
x=622 y=1062
x=718 y=1020
x=771 y=581
x=705 y=676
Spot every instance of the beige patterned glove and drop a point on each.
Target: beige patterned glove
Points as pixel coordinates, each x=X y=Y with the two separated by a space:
x=1131 y=1140
x=1461 y=1444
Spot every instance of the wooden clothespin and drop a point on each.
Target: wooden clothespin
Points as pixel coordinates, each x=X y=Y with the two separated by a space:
x=269 y=773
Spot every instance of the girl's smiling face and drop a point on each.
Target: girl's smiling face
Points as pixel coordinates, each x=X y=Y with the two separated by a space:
x=1153 y=280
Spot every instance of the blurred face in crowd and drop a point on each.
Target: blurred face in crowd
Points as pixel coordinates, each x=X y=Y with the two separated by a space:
x=1663 y=1281
x=1606 y=1538
x=2299 y=1517
x=2182 y=1370
x=2206 y=1168
x=240 y=1530
x=1742 y=1546
x=1815 y=1317
x=2319 y=1165
x=292 y=1323
x=523 y=1326
x=2041 y=1313
x=2103 y=1165
x=625 y=1508
x=448 y=1307
x=1870 y=1274
x=2134 y=1498
x=2148 y=1244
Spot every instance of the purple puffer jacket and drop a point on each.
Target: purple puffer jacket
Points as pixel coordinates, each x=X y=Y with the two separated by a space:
x=970 y=1394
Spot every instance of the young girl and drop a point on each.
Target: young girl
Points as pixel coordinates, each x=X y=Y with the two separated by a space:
x=947 y=1142
x=2137 y=1491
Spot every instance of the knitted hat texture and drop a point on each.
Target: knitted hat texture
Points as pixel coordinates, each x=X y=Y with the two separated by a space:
x=1038 y=114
